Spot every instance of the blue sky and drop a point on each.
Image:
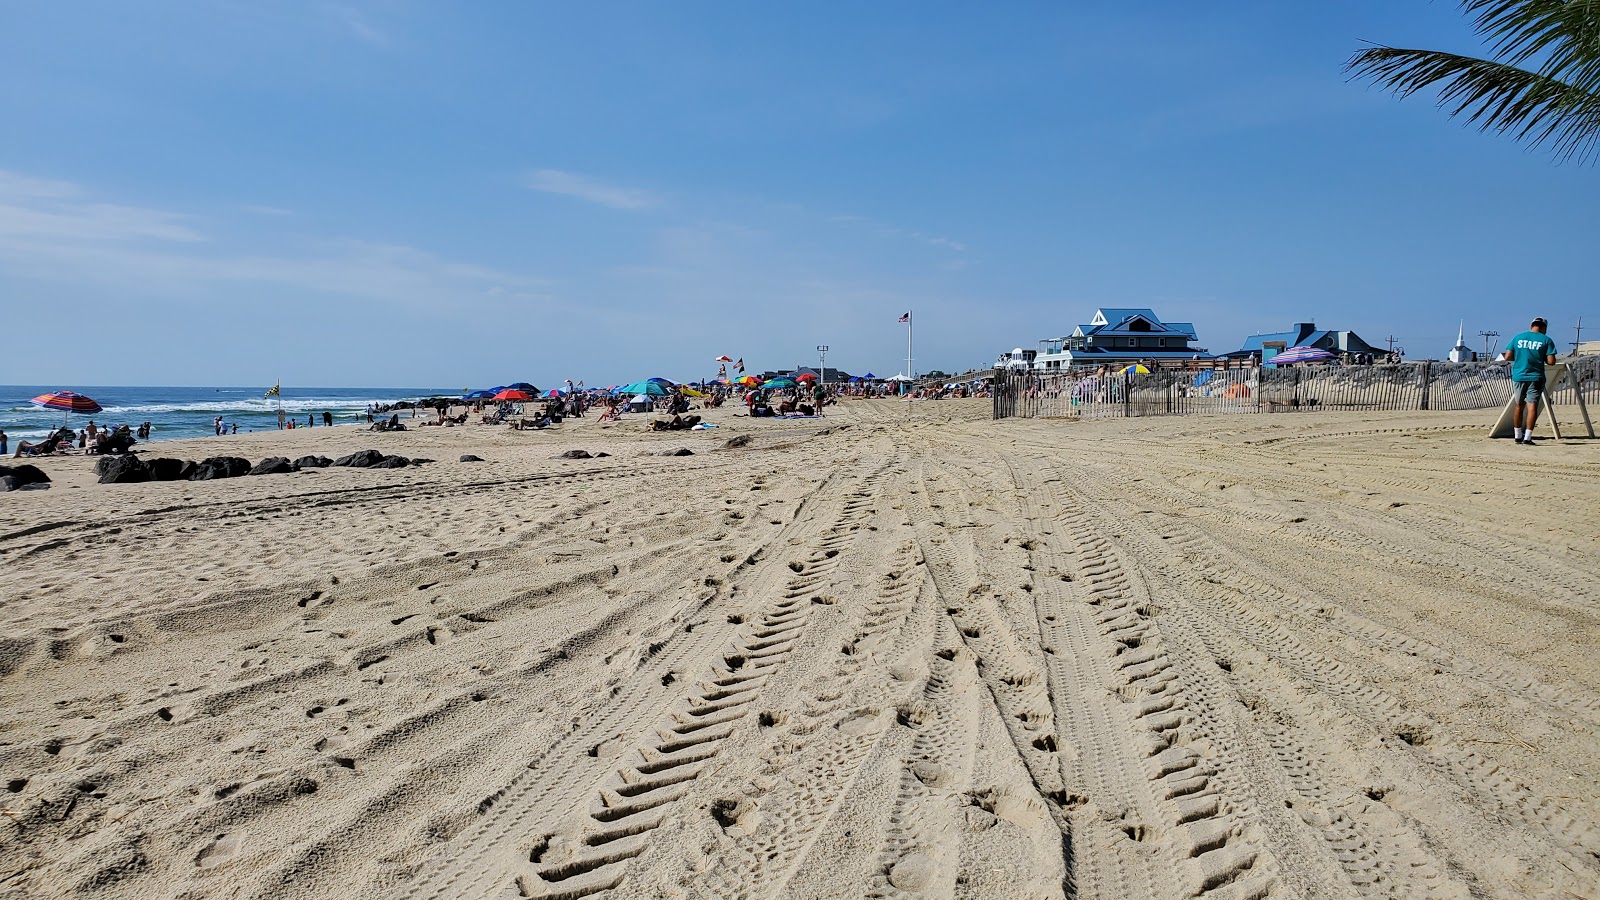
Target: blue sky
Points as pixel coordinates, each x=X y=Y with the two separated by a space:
x=407 y=193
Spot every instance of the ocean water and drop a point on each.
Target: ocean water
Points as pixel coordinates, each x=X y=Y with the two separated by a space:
x=184 y=412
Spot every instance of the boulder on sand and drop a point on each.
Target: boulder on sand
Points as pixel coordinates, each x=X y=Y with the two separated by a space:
x=10 y=483
x=122 y=470
x=391 y=462
x=468 y=457
x=220 y=467
x=165 y=468
x=272 y=465
x=313 y=462
x=361 y=459
x=25 y=474
x=576 y=454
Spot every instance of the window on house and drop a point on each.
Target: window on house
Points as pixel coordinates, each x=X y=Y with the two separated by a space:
x=1162 y=341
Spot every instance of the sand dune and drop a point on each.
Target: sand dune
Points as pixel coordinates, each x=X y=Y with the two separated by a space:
x=904 y=651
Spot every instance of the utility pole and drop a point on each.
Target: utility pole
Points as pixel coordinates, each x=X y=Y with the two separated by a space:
x=822 y=357
x=1577 y=337
x=1488 y=349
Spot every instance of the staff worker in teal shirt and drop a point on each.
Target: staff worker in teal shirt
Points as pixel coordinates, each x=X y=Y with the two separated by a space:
x=1529 y=353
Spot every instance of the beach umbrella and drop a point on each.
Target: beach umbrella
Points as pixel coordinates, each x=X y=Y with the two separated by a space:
x=555 y=393
x=479 y=395
x=1136 y=369
x=1302 y=355
x=509 y=394
x=663 y=382
x=522 y=386
x=691 y=392
x=748 y=381
x=870 y=377
x=67 y=402
x=652 y=388
x=781 y=383
x=805 y=376
x=723 y=359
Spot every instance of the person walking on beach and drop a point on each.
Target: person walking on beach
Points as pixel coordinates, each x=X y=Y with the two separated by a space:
x=2 y=442
x=1529 y=352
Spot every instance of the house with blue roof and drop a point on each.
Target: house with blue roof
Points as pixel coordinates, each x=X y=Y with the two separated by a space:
x=1303 y=334
x=1115 y=337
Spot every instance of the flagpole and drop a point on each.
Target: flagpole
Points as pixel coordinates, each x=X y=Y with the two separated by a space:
x=910 y=325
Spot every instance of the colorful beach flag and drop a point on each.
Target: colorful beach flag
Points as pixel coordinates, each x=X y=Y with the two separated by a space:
x=273 y=391
x=906 y=319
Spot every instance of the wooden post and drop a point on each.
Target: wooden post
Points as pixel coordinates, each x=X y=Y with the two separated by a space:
x=1427 y=380
x=1577 y=391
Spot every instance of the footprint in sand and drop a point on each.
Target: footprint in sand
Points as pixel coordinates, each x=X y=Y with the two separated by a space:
x=221 y=850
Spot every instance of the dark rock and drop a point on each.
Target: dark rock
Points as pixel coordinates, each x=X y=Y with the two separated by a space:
x=9 y=483
x=272 y=465
x=25 y=474
x=360 y=460
x=681 y=451
x=167 y=469
x=602 y=454
x=313 y=462
x=220 y=467
x=122 y=470
x=468 y=457
x=420 y=461
x=576 y=454
x=391 y=462
x=742 y=440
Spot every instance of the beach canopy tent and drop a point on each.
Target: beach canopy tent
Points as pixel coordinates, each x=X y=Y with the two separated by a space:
x=650 y=388
x=869 y=377
x=1302 y=354
x=897 y=377
x=1204 y=378
x=513 y=395
x=67 y=402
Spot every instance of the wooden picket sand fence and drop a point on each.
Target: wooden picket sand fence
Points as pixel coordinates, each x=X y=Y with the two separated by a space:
x=1267 y=389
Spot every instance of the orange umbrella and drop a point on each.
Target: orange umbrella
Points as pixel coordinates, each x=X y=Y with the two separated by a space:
x=510 y=394
x=805 y=376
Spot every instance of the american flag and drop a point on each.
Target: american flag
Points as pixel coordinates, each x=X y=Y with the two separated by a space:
x=906 y=319
x=740 y=364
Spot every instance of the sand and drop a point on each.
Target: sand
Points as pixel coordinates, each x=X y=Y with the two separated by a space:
x=901 y=652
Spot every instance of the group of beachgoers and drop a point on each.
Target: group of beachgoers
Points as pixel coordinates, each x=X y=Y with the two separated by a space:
x=90 y=439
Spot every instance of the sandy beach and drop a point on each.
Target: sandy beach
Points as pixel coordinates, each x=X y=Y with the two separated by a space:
x=903 y=651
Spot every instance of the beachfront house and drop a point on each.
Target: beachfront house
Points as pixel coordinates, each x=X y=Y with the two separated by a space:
x=1113 y=337
x=830 y=375
x=1263 y=347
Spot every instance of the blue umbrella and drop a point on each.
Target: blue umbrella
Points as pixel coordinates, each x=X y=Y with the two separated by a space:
x=480 y=395
x=652 y=388
x=869 y=376
x=521 y=386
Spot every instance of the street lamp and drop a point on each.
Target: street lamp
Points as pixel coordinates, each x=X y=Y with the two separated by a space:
x=822 y=357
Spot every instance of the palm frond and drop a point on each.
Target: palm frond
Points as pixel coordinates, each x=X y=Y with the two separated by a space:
x=1558 y=38
x=1529 y=106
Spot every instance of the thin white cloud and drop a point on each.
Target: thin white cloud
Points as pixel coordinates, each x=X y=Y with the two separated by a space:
x=14 y=184
x=361 y=27
x=570 y=184
x=48 y=233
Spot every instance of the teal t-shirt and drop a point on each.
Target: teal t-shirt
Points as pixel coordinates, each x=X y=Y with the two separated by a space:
x=1528 y=352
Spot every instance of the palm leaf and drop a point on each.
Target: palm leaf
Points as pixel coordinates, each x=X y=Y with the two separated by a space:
x=1542 y=88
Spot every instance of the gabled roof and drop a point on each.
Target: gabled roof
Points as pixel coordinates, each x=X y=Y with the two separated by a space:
x=1114 y=322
